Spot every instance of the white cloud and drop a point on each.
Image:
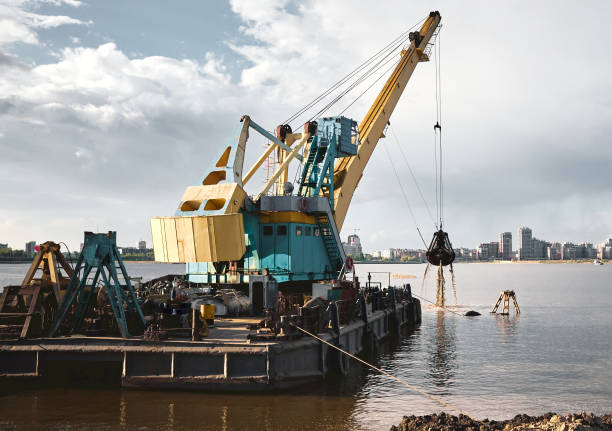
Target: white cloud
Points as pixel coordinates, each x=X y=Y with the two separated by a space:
x=521 y=126
x=19 y=24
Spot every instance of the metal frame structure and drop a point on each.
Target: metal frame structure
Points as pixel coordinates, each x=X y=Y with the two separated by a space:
x=99 y=254
x=37 y=295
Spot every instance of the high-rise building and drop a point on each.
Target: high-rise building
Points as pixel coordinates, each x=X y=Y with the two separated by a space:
x=29 y=248
x=505 y=245
x=142 y=245
x=525 y=243
x=604 y=251
x=353 y=246
x=488 y=250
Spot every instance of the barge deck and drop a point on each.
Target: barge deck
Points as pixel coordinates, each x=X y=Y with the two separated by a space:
x=226 y=360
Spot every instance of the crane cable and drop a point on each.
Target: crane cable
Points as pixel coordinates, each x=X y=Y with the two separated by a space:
x=399 y=182
x=416 y=183
x=438 y=135
x=392 y=46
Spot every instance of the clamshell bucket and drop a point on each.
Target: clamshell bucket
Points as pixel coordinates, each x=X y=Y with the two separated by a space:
x=440 y=251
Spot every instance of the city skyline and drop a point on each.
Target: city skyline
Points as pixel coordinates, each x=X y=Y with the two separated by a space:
x=528 y=247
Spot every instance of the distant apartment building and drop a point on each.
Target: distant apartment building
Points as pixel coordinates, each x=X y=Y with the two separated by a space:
x=505 y=245
x=3 y=246
x=587 y=251
x=553 y=251
x=604 y=251
x=525 y=243
x=488 y=250
x=390 y=253
x=142 y=245
x=352 y=246
x=29 y=248
x=539 y=249
x=463 y=253
x=571 y=251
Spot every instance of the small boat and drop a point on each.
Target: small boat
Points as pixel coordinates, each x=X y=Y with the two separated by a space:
x=597 y=262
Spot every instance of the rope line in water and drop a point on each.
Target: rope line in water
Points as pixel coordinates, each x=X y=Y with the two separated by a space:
x=402 y=381
x=441 y=306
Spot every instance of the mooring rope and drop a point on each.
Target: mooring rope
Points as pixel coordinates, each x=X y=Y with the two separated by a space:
x=441 y=306
x=402 y=381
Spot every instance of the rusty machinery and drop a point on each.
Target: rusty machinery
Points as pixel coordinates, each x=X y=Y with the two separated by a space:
x=28 y=310
x=505 y=296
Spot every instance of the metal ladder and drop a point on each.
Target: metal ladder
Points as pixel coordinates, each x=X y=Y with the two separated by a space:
x=329 y=240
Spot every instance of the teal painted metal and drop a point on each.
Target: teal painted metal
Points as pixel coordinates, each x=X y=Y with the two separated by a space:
x=273 y=138
x=334 y=138
x=289 y=251
x=227 y=170
x=292 y=251
x=99 y=253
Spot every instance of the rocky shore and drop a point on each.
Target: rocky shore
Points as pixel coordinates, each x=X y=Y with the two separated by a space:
x=548 y=422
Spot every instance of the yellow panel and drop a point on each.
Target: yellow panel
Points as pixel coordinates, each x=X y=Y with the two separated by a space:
x=199 y=238
x=184 y=237
x=201 y=242
x=228 y=192
x=159 y=240
x=171 y=244
x=286 y=217
x=227 y=236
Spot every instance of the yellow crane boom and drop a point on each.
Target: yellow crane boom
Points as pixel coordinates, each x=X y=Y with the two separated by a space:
x=349 y=170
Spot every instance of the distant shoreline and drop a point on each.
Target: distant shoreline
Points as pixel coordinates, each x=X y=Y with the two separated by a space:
x=531 y=262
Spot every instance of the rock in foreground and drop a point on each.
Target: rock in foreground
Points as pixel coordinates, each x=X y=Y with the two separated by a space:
x=548 y=422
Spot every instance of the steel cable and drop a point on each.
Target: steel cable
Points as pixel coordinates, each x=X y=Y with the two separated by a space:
x=399 y=379
x=402 y=37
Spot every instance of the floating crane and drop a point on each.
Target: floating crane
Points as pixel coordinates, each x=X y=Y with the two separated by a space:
x=225 y=236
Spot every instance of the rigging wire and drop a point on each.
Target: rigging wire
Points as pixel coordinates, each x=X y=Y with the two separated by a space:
x=416 y=183
x=438 y=162
x=405 y=196
x=376 y=67
x=390 y=46
x=370 y=86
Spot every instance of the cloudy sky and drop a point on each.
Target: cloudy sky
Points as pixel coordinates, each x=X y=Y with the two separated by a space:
x=109 y=109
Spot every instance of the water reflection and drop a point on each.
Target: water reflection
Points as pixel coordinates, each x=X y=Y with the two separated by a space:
x=508 y=324
x=441 y=362
x=170 y=410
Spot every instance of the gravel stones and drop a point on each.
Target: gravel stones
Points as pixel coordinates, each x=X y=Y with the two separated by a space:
x=547 y=422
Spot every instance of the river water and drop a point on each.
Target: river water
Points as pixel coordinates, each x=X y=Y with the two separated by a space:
x=555 y=356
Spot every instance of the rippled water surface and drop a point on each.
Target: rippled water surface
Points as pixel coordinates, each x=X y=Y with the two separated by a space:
x=556 y=356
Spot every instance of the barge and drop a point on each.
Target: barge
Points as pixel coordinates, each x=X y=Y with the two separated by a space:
x=226 y=360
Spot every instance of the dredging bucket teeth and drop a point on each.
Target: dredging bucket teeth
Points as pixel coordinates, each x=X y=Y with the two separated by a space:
x=440 y=251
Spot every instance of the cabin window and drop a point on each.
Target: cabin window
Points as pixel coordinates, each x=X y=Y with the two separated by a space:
x=268 y=230
x=316 y=231
x=308 y=230
x=298 y=231
x=281 y=230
